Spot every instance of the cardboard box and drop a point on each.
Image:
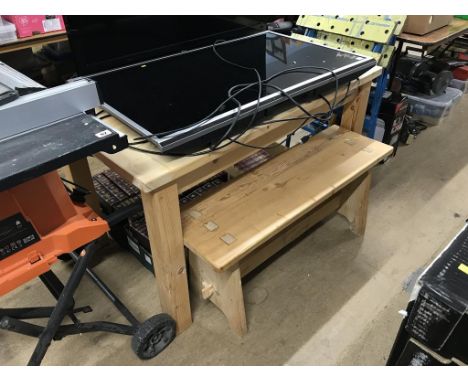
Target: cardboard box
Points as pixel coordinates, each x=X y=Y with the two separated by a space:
x=29 y=25
x=439 y=317
x=424 y=24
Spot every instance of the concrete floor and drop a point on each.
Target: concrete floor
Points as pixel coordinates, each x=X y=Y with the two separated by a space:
x=330 y=298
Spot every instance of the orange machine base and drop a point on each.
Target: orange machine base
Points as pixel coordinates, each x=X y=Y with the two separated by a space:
x=62 y=225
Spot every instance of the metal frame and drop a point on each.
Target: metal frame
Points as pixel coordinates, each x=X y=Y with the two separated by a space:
x=44 y=106
x=423 y=47
x=382 y=82
x=12 y=319
x=370 y=122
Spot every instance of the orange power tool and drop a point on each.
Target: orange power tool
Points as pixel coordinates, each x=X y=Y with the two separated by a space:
x=39 y=222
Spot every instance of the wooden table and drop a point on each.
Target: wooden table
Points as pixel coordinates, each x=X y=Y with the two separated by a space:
x=455 y=29
x=161 y=179
x=433 y=39
x=36 y=40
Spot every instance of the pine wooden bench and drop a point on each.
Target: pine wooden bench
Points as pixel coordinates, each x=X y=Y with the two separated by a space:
x=231 y=232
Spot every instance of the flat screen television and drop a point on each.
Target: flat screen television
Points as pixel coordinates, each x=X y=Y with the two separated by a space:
x=170 y=97
x=101 y=43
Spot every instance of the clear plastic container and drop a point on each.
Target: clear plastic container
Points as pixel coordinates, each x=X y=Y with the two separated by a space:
x=7 y=32
x=379 y=130
x=431 y=109
x=459 y=84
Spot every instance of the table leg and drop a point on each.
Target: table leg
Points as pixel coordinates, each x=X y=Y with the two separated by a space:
x=80 y=174
x=162 y=214
x=354 y=112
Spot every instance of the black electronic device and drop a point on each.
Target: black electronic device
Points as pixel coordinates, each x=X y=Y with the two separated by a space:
x=280 y=26
x=392 y=112
x=437 y=316
x=425 y=76
x=414 y=354
x=176 y=98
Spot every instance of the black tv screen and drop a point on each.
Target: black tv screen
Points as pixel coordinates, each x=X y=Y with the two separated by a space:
x=101 y=43
x=175 y=98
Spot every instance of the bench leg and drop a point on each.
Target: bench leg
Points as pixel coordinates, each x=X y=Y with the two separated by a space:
x=354 y=208
x=224 y=289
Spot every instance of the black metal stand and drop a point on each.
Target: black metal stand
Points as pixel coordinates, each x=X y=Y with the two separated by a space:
x=396 y=57
x=150 y=337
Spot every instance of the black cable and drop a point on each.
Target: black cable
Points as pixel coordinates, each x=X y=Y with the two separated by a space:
x=145 y=137
x=66 y=188
x=340 y=103
x=295 y=103
x=259 y=96
x=231 y=97
x=276 y=144
x=246 y=87
x=305 y=118
x=272 y=121
x=259 y=81
x=254 y=115
x=310 y=116
x=232 y=140
x=310 y=67
x=231 y=126
x=81 y=188
x=215 y=146
x=172 y=154
x=235 y=140
x=294 y=70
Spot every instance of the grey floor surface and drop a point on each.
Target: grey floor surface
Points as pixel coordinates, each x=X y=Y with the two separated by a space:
x=330 y=298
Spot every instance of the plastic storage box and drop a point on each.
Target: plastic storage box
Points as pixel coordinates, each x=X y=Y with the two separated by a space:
x=459 y=84
x=432 y=110
x=379 y=130
x=7 y=32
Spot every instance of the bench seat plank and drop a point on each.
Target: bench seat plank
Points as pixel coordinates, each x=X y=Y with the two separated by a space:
x=230 y=224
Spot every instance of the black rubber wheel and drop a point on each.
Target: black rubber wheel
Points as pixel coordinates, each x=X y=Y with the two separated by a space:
x=153 y=336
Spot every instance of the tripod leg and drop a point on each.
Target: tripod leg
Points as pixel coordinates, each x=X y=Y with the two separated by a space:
x=63 y=304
